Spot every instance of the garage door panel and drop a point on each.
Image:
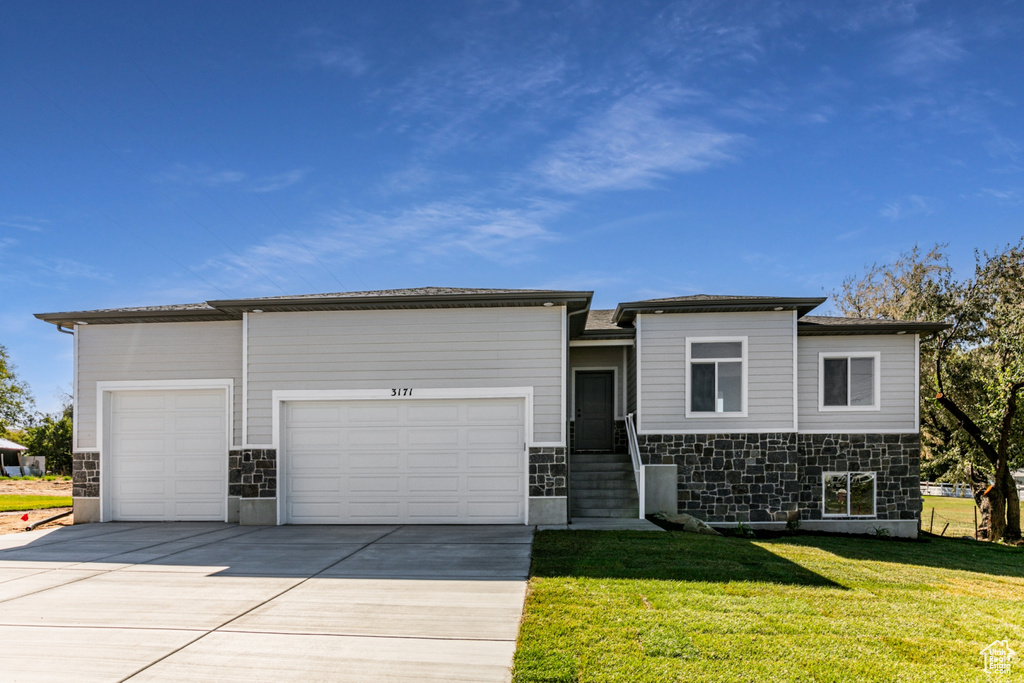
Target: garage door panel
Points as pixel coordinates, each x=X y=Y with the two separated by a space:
x=419 y=461
x=370 y=461
x=315 y=414
x=493 y=413
x=314 y=437
x=429 y=510
x=432 y=412
x=433 y=461
x=508 y=437
x=374 y=484
x=370 y=510
x=315 y=484
x=139 y=424
x=433 y=437
x=364 y=414
x=421 y=484
x=168 y=455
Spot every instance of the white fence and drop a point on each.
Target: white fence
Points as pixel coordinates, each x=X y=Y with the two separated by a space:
x=947 y=490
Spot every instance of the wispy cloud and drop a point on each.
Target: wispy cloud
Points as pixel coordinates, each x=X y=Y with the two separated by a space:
x=912 y=205
x=1010 y=196
x=203 y=176
x=343 y=59
x=278 y=182
x=638 y=140
x=24 y=223
x=431 y=232
x=922 y=53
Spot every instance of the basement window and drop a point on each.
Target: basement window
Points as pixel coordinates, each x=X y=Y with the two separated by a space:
x=848 y=494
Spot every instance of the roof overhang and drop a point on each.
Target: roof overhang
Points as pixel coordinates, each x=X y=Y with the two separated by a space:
x=627 y=312
x=232 y=309
x=814 y=329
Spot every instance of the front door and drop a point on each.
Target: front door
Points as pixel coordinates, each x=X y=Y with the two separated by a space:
x=595 y=411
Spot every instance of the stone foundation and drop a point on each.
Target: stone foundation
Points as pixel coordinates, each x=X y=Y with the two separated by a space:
x=775 y=477
x=252 y=473
x=85 y=475
x=549 y=473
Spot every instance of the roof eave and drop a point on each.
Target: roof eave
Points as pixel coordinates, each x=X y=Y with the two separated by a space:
x=71 y=318
x=626 y=312
x=805 y=329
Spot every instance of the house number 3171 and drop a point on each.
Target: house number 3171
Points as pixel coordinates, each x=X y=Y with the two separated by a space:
x=401 y=392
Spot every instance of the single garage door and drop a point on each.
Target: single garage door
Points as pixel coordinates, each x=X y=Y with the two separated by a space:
x=405 y=461
x=168 y=455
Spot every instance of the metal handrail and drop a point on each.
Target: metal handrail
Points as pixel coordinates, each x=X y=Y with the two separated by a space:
x=634 y=455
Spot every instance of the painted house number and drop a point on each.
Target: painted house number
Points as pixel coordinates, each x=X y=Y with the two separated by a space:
x=401 y=392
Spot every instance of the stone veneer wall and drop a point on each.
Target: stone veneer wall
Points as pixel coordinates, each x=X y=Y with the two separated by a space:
x=85 y=475
x=619 y=437
x=252 y=473
x=549 y=473
x=771 y=477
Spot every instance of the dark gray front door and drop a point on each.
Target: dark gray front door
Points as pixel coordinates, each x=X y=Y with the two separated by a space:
x=595 y=411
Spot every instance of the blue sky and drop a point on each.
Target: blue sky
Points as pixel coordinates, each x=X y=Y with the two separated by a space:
x=155 y=153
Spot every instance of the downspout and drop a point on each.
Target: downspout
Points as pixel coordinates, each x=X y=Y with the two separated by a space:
x=60 y=328
x=568 y=381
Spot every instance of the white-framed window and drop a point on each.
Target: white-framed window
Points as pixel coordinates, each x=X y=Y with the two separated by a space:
x=716 y=376
x=848 y=381
x=848 y=494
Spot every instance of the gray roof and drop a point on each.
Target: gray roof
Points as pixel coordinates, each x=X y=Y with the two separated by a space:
x=715 y=303
x=810 y=325
x=601 y=320
x=6 y=445
x=422 y=297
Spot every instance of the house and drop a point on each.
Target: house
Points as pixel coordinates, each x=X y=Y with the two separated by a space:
x=10 y=452
x=439 y=405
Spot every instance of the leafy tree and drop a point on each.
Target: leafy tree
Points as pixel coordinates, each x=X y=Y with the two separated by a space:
x=971 y=428
x=51 y=437
x=16 y=401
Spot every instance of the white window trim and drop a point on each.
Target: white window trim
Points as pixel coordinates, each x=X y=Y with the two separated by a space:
x=689 y=376
x=847 y=515
x=876 y=393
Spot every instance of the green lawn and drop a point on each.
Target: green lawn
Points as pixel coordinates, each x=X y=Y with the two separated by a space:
x=9 y=502
x=959 y=512
x=648 y=606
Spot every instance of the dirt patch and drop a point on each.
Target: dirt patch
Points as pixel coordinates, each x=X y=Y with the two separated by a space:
x=30 y=487
x=12 y=522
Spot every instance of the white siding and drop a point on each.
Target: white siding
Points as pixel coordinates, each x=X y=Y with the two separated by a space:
x=769 y=370
x=437 y=348
x=898 y=381
x=583 y=357
x=141 y=351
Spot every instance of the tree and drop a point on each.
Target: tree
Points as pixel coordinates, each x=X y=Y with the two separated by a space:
x=16 y=401
x=971 y=429
x=51 y=437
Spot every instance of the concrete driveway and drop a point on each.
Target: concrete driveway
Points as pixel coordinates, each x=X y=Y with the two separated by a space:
x=218 y=602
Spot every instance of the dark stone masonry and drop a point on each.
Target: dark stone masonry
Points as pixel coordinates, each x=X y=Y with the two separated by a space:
x=85 y=475
x=252 y=473
x=775 y=477
x=548 y=472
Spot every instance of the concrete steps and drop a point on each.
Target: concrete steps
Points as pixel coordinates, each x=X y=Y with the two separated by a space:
x=601 y=485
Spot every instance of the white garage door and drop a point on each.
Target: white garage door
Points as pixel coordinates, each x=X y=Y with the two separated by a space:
x=168 y=455
x=424 y=461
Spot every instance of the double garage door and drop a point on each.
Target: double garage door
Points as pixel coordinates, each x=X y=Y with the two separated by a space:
x=343 y=462
x=404 y=461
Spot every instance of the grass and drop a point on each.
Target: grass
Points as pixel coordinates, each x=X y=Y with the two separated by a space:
x=644 y=606
x=48 y=477
x=15 y=502
x=959 y=512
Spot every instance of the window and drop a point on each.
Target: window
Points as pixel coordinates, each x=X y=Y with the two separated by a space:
x=848 y=381
x=848 y=494
x=717 y=377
